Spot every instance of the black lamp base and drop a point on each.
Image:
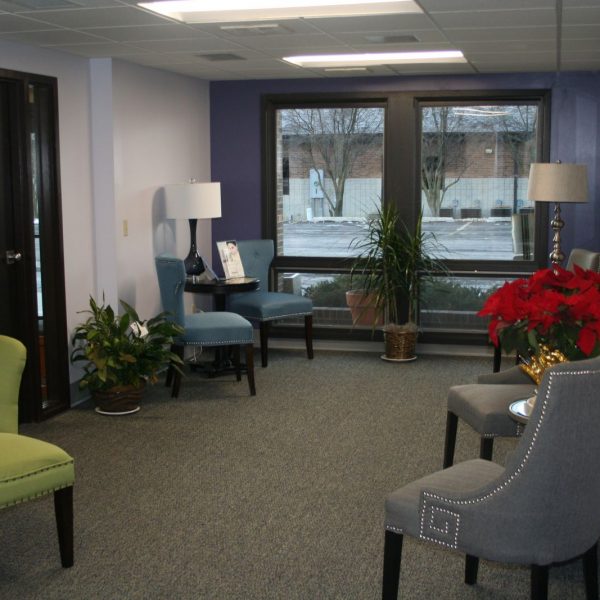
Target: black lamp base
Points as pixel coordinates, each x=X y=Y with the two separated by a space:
x=194 y=264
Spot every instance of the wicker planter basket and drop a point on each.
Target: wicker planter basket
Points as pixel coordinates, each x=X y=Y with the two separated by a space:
x=400 y=342
x=119 y=400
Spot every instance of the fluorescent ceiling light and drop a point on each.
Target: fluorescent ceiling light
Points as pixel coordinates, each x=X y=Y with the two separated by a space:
x=221 y=11
x=377 y=58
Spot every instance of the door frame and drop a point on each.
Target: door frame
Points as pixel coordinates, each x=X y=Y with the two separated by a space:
x=32 y=406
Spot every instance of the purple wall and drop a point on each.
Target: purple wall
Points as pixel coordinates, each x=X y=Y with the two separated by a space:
x=236 y=137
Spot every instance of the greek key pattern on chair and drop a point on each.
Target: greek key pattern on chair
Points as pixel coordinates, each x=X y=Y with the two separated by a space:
x=438 y=524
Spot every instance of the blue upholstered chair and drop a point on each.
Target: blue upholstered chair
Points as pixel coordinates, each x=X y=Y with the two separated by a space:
x=204 y=329
x=31 y=468
x=538 y=510
x=263 y=306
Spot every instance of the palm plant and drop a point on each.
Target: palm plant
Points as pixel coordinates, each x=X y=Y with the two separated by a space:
x=394 y=262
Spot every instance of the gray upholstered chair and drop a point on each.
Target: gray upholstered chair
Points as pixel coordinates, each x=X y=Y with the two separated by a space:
x=541 y=509
x=485 y=407
x=204 y=329
x=263 y=306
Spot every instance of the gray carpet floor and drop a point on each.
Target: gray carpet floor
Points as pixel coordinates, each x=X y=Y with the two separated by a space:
x=219 y=495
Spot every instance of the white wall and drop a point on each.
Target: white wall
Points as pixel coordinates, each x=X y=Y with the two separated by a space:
x=161 y=135
x=158 y=126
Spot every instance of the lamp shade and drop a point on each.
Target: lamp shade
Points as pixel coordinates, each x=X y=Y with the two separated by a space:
x=557 y=182
x=193 y=200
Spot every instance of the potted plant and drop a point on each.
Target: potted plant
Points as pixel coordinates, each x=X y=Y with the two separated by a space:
x=555 y=308
x=393 y=263
x=121 y=354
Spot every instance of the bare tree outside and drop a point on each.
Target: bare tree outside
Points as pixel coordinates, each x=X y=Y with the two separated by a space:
x=442 y=130
x=334 y=139
x=518 y=127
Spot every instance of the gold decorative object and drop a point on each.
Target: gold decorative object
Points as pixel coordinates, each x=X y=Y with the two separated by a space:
x=537 y=364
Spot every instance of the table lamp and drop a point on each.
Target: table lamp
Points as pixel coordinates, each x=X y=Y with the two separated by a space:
x=557 y=182
x=193 y=201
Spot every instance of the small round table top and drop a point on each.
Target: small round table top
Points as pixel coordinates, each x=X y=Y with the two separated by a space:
x=519 y=411
x=222 y=286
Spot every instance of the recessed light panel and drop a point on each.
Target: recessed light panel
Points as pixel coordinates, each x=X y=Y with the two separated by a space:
x=222 y=11
x=376 y=58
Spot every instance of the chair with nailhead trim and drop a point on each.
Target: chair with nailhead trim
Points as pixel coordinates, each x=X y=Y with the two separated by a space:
x=541 y=509
x=31 y=468
x=264 y=306
x=202 y=329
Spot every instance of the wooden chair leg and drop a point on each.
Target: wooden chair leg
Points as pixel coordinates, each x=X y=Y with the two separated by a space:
x=539 y=582
x=264 y=343
x=486 y=448
x=392 y=557
x=170 y=369
x=250 y=368
x=179 y=350
x=236 y=363
x=450 y=441
x=308 y=335
x=471 y=569
x=590 y=573
x=63 y=510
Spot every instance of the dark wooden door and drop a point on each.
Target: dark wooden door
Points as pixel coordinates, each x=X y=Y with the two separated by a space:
x=32 y=298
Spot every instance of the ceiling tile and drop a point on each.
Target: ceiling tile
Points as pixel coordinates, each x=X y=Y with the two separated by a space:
x=589 y=45
x=168 y=31
x=581 y=15
x=580 y=31
x=204 y=44
x=515 y=46
x=496 y=18
x=99 y=50
x=296 y=42
x=431 y=69
x=504 y=67
x=50 y=38
x=501 y=35
x=435 y=6
x=97 y=17
x=429 y=36
x=12 y=23
x=286 y=26
x=375 y=23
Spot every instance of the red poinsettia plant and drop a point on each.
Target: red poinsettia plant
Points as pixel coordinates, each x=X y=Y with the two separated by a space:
x=555 y=307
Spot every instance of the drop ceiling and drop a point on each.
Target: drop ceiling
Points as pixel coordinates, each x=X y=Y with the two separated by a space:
x=495 y=36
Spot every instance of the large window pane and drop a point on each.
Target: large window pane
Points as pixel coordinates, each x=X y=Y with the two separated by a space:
x=474 y=171
x=329 y=177
x=452 y=303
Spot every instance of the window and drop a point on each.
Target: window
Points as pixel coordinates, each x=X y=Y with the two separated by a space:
x=459 y=159
x=475 y=162
x=330 y=163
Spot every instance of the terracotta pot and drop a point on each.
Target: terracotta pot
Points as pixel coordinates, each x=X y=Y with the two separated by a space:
x=119 y=400
x=363 y=309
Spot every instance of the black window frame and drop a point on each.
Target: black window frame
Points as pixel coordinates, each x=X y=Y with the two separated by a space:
x=402 y=157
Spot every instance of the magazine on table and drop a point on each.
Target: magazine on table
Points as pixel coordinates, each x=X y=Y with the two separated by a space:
x=230 y=259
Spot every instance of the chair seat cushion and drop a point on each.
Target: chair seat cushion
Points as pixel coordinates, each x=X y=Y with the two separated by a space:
x=402 y=507
x=30 y=468
x=485 y=407
x=217 y=329
x=267 y=306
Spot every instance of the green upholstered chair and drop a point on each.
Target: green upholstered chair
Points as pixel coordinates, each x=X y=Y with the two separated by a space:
x=263 y=306
x=30 y=468
x=203 y=329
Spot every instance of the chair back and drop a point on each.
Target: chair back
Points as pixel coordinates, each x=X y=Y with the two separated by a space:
x=553 y=478
x=585 y=259
x=257 y=256
x=171 y=281
x=12 y=362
